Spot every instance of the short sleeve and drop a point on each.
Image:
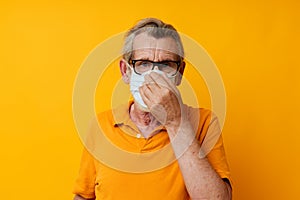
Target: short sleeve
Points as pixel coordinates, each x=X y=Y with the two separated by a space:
x=213 y=148
x=218 y=160
x=85 y=182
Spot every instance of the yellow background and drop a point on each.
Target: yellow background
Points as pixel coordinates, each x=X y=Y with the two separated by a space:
x=255 y=45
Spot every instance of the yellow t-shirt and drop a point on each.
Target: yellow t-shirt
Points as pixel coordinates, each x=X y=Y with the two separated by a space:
x=118 y=163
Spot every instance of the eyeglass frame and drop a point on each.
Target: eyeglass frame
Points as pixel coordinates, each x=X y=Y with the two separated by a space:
x=178 y=63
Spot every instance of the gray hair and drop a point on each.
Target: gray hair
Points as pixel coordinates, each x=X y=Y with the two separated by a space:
x=155 y=28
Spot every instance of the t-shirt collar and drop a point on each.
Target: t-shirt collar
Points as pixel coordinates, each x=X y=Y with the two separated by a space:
x=122 y=116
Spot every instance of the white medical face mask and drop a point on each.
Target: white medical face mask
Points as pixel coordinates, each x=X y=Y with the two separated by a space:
x=137 y=81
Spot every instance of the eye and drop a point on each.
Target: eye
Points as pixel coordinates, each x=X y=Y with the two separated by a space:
x=144 y=63
x=165 y=64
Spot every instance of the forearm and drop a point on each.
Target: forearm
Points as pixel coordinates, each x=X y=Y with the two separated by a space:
x=201 y=180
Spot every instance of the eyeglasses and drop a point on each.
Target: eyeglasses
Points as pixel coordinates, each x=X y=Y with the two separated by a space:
x=169 y=67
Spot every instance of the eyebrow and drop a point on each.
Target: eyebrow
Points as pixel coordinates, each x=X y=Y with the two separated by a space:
x=177 y=58
x=162 y=61
x=169 y=57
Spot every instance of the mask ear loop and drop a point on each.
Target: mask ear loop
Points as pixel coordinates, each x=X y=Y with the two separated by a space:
x=125 y=70
x=129 y=66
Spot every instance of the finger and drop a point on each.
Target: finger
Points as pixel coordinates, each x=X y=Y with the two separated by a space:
x=152 y=93
x=150 y=80
x=157 y=84
x=158 y=78
x=170 y=83
x=164 y=81
x=152 y=84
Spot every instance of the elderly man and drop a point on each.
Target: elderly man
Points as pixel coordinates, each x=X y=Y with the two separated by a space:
x=153 y=65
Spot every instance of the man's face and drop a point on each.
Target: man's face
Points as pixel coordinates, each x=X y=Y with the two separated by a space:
x=146 y=47
x=162 y=54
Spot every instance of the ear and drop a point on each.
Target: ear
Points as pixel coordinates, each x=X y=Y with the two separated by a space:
x=125 y=71
x=180 y=73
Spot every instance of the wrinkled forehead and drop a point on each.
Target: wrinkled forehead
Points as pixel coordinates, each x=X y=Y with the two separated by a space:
x=147 y=44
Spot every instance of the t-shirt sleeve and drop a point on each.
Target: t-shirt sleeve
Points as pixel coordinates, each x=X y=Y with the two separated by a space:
x=85 y=182
x=213 y=148
x=217 y=159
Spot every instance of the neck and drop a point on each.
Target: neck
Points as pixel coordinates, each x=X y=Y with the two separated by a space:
x=140 y=117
